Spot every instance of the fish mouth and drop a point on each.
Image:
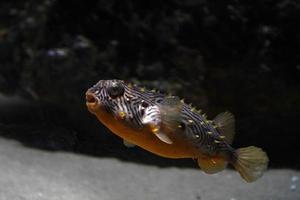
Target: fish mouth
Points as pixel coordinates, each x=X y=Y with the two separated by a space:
x=92 y=101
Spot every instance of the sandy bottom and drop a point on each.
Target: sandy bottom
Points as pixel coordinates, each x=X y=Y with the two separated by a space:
x=29 y=174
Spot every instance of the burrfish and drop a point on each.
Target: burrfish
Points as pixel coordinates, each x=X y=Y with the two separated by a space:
x=168 y=127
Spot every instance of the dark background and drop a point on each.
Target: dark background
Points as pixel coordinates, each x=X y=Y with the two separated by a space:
x=241 y=56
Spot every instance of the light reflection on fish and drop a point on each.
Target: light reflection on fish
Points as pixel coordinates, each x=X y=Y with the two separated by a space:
x=166 y=126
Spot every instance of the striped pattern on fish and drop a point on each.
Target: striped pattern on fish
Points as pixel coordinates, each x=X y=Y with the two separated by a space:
x=168 y=127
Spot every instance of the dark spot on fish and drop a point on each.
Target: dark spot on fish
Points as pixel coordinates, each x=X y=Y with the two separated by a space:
x=159 y=100
x=145 y=104
x=142 y=112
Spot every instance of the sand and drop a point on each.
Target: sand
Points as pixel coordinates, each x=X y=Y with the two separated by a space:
x=32 y=174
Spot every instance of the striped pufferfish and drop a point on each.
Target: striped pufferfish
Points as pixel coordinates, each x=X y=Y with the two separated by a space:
x=166 y=126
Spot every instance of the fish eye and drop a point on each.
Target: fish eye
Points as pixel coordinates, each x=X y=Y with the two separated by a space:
x=115 y=90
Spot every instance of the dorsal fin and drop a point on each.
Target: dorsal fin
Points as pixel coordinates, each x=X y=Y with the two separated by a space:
x=225 y=125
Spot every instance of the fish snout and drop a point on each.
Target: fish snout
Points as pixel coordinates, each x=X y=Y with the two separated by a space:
x=92 y=101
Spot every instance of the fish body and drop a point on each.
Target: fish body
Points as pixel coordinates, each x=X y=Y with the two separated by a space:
x=168 y=127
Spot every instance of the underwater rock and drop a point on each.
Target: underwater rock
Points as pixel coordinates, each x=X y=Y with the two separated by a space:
x=230 y=56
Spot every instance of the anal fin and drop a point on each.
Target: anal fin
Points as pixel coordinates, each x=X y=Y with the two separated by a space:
x=212 y=165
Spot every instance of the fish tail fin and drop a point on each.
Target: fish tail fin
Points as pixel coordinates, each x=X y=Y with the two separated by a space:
x=212 y=165
x=250 y=162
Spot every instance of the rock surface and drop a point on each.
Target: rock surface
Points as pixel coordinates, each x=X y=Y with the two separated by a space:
x=31 y=174
x=241 y=56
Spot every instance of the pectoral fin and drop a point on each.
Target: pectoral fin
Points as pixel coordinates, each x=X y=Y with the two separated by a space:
x=170 y=118
x=152 y=119
x=170 y=110
x=163 y=137
x=155 y=129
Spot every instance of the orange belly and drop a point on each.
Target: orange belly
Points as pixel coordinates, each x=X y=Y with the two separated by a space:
x=147 y=140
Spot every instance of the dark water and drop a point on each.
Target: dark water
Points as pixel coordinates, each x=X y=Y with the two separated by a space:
x=236 y=56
